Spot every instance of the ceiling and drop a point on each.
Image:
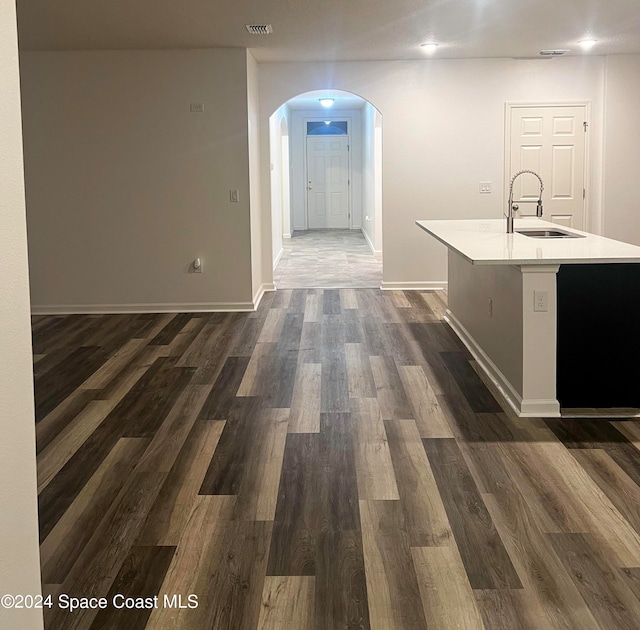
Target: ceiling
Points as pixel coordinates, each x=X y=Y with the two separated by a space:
x=334 y=30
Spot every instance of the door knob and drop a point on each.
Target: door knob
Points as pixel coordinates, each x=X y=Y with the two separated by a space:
x=309 y=187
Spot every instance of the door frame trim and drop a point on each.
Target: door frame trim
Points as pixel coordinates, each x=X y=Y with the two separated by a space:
x=305 y=120
x=508 y=107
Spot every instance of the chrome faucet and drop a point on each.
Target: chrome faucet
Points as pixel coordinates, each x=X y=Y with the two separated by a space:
x=511 y=207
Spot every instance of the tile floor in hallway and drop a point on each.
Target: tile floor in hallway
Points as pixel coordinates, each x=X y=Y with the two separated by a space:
x=328 y=259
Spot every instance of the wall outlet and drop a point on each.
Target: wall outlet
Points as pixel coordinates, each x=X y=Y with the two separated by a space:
x=234 y=196
x=196 y=108
x=485 y=188
x=540 y=301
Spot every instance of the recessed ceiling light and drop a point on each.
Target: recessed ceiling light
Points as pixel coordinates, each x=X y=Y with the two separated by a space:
x=587 y=43
x=429 y=47
x=326 y=102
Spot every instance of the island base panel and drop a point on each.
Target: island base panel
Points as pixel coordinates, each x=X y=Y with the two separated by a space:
x=598 y=335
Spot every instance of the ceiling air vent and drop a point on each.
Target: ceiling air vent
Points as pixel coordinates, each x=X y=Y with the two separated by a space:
x=553 y=53
x=260 y=29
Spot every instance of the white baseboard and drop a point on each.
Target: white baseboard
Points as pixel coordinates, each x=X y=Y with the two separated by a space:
x=278 y=257
x=369 y=243
x=414 y=286
x=108 y=309
x=260 y=293
x=525 y=408
x=196 y=307
x=286 y=236
x=540 y=408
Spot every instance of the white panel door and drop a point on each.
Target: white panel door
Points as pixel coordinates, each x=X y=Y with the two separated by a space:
x=328 y=182
x=549 y=140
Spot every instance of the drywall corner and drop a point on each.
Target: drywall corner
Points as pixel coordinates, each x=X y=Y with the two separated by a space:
x=20 y=562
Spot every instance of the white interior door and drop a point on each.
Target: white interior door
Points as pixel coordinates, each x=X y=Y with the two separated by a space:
x=328 y=182
x=550 y=140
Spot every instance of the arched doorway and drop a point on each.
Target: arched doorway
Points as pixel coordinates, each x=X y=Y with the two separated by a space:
x=326 y=205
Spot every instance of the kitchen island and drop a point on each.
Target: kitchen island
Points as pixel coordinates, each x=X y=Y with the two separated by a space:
x=551 y=321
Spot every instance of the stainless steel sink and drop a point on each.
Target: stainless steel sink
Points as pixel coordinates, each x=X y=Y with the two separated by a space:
x=533 y=233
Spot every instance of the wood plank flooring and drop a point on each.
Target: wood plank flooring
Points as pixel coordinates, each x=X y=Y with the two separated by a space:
x=333 y=461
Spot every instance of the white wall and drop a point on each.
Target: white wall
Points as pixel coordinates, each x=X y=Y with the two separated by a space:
x=371 y=177
x=622 y=149
x=298 y=143
x=443 y=133
x=19 y=558
x=286 y=179
x=279 y=166
x=257 y=253
x=115 y=162
x=126 y=187
x=377 y=183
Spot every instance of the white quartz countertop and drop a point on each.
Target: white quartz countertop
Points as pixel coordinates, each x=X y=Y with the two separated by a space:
x=485 y=242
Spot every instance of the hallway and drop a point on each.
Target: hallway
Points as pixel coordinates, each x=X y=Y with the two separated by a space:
x=328 y=259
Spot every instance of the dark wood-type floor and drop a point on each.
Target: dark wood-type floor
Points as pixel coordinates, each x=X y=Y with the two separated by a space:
x=332 y=461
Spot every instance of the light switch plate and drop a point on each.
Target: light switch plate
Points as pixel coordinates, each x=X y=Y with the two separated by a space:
x=485 y=188
x=234 y=197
